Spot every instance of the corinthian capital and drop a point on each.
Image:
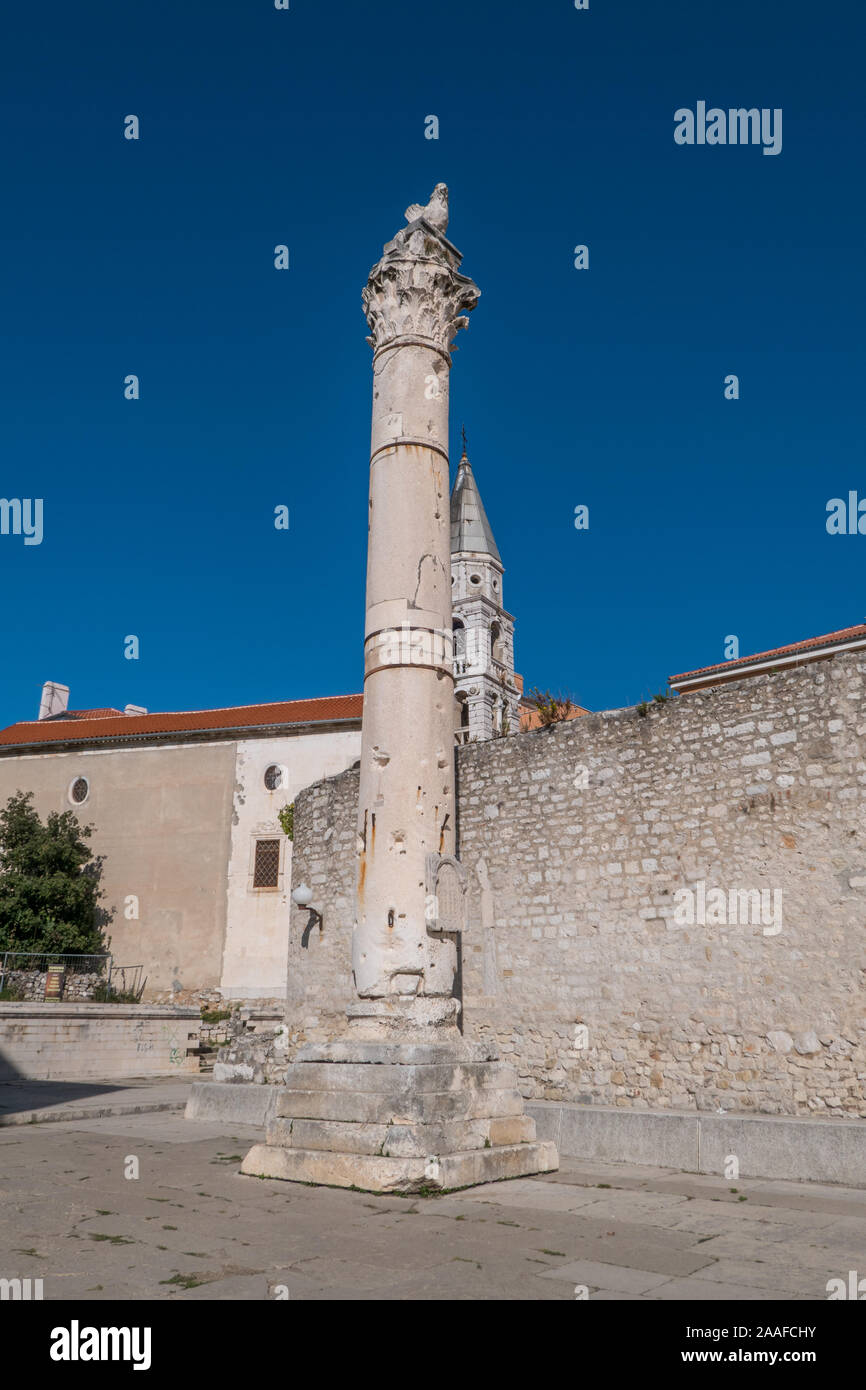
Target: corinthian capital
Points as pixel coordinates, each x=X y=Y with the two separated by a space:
x=415 y=291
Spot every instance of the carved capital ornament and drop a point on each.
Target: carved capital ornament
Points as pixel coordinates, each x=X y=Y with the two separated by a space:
x=415 y=292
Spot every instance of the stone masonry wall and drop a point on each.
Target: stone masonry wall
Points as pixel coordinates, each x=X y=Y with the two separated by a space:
x=60 y=1041
x=577 y=841
x=30 y=985
x=319 y=983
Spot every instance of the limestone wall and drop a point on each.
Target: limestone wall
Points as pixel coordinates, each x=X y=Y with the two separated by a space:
x=319 y=982
x=577 y=840
x=59 y=1041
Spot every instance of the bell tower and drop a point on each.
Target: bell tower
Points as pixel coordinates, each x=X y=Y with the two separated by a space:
x=484 y=686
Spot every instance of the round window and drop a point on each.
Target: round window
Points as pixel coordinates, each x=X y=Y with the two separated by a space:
x=275 y=777
x=475 y=578
x=79 y=791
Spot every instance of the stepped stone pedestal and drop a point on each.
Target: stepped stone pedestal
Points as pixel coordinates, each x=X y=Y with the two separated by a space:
x=392 y=1116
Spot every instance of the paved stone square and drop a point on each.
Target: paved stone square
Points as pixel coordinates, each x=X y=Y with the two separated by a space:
x=191 y=1227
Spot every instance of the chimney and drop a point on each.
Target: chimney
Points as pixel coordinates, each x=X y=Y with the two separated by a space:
x=134 y=709
x=55 y=699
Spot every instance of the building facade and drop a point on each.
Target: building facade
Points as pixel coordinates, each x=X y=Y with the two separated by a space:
x=185 y=809
x=185 y=806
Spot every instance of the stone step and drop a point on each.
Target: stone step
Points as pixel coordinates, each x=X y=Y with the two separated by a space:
x=376 y=1173
x=512 y=1129
x=399 y=1141
x=391 y=1078
x=376 y=1107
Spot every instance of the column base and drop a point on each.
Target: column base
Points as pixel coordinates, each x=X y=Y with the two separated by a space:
x=375 y=1173
x=407 y=1116
x=403 y=1015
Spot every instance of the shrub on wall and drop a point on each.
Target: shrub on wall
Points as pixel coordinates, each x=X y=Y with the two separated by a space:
x=286 y=817
x=552 y=709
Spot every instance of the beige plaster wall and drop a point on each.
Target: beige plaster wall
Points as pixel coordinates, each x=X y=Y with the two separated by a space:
x=162 y=818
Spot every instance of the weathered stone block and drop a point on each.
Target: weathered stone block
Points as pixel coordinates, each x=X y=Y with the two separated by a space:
x=373 y=1173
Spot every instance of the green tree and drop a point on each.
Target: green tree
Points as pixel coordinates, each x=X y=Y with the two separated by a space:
x=49 y=882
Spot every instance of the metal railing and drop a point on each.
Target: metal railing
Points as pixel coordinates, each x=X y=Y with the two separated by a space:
x=126 y=979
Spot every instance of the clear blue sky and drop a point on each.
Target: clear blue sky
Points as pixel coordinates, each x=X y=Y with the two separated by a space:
x=605 y=387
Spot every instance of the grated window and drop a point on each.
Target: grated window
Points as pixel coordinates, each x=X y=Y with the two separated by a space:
x=267 y=869
x=79 y=790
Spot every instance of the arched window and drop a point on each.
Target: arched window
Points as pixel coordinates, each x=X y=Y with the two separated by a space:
x=497 y=644
x=459 y=638
x=461 y=732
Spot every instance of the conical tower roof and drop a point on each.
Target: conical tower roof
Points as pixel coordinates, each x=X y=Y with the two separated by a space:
x=470 y=529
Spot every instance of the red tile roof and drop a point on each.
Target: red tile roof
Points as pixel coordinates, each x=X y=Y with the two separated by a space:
x=111 y=724
x=810 y=644
x=86 y=713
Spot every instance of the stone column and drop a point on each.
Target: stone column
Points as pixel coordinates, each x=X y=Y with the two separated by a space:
x=401 y=1102
x=414 y=302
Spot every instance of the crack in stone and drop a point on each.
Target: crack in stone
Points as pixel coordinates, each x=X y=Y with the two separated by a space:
x=411 y=603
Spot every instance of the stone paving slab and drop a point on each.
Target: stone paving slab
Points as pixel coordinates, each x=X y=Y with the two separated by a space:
x=615 y=1296
x=191 y=1227
x=617 y=1278
x=792 y=1277
x=173 y=1128
x=752 y=1246
x=629 y=1175
x=520 y=1193
x=796 y=1193
x=715 y=1218
x=649 y=1207
x=41 y=1102
x=705 y=1291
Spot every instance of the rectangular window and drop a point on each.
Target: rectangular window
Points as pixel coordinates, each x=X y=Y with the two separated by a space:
x=266 y=873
